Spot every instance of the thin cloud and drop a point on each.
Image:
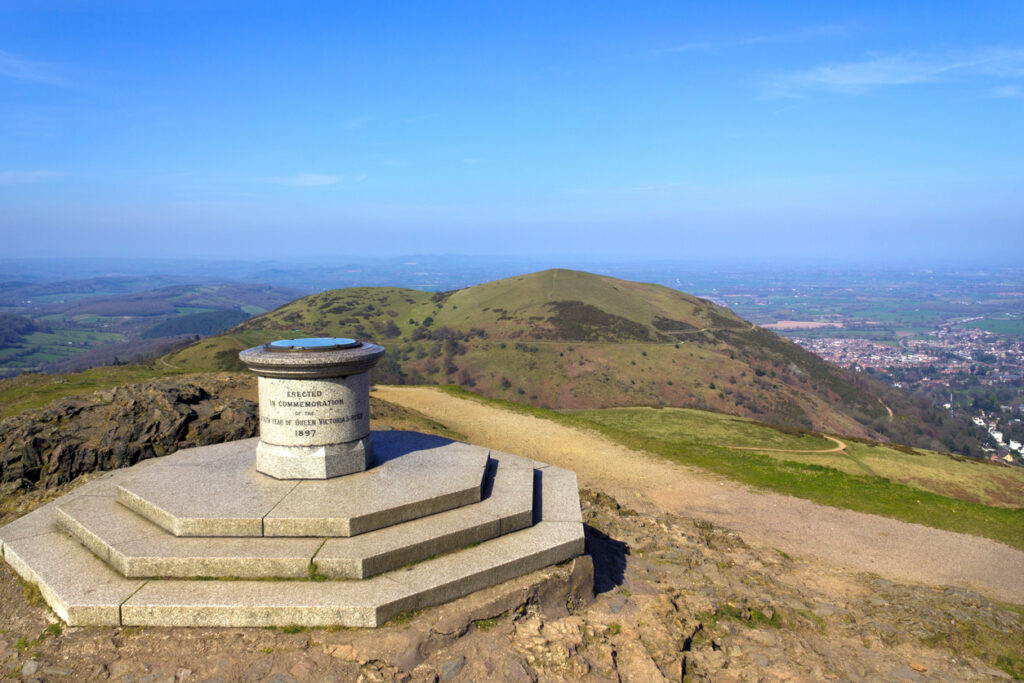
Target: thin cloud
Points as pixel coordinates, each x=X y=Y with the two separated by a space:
x=21 y=69
x=316 y=180
x=29 y=177
x=808 y=33
x=1008 y=91
x=912 y=68
x=355 y=122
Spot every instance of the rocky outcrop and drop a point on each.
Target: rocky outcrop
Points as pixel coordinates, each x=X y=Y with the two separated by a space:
x=119 y=427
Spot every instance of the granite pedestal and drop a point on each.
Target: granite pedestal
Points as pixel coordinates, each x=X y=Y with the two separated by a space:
x=314 y=406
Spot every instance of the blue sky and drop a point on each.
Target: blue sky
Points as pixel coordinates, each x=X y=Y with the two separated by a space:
x=833 y=131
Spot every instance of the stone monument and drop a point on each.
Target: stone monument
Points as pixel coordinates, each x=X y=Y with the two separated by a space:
x=416 y=519
x=314 y=399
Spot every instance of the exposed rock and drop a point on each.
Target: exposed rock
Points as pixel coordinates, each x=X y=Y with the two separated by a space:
x=119 y=427
x=451 y=668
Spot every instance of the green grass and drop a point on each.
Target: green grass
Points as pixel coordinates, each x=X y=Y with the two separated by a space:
x=54 y=346
x=699 y=426
x=62 y=337
x=753 y=617
x=1001 y=645
x=190 y=310
x=31 y=593
x=826 y=485
x=401 y=619
x=829 y=486
x=92 y=318
x=811 y=616
x=33 y=390
x=953 y=477
x=530 y=295
x=1000 y=326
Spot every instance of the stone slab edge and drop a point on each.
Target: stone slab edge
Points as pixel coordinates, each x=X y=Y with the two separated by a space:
x=424 y=506
x=269 y=524
x=78 y=531
x=145 y=553
x=379 y=519
x=183 y=526
x=62 y=580
x=248 y=603
x=508 y=508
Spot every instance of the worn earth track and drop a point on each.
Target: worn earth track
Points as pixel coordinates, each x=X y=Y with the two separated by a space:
x=840 y=446
x=843 y=539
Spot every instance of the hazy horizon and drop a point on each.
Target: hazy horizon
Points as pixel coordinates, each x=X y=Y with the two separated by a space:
x=461 y=270
x=746 y=132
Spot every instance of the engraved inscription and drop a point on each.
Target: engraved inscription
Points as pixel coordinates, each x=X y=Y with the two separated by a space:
x=313 y=412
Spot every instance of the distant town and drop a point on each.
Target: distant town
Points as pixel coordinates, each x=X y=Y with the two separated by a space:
x=980 y=371
x=953 y=337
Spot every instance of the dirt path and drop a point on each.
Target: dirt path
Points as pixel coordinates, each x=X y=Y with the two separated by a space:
x=839 y=538
x=840 y=446
x=887 y=409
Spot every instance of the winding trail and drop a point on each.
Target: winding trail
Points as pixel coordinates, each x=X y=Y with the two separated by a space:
x=842 y=539
x=840 y=447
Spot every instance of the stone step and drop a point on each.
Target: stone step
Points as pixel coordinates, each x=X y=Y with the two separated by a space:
x=507 y=506
x=77 y=585
x=369 y=602
x=216 y=490
x=83 y=590
x=137 y=548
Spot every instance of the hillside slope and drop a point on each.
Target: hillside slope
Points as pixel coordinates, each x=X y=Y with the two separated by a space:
x=572 y=341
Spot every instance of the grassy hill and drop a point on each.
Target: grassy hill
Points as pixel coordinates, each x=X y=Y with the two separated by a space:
x=570 y=340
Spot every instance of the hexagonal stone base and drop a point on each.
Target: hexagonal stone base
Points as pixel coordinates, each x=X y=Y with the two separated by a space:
x=136 y=547
x=216 y=490
x=83 y=589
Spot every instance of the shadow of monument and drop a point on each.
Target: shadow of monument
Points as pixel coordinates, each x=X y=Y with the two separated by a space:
x=390 y=444
x=609 y=556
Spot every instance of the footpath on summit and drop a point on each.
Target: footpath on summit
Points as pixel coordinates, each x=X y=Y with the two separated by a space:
x=844 y=539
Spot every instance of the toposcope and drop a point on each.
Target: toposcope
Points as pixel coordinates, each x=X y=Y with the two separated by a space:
x=314 y=398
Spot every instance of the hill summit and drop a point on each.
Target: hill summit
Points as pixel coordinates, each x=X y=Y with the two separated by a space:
x=571 y=340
